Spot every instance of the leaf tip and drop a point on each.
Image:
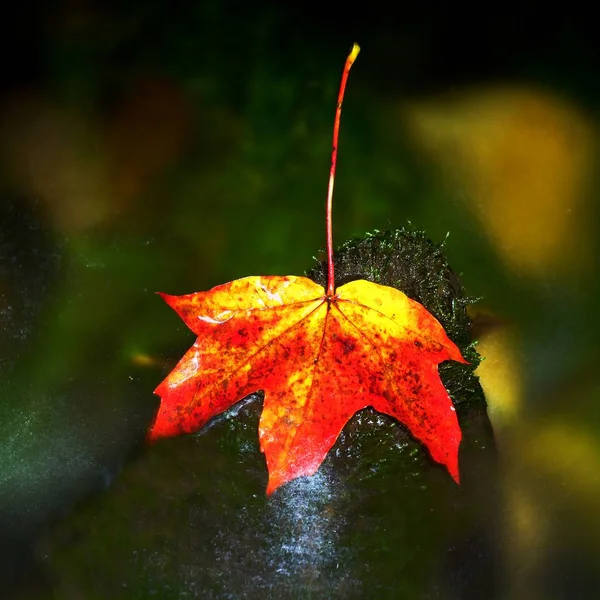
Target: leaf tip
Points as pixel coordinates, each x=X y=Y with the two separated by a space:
x=276 y=480
x=150 y=436
x=452 y=466
x=457 y=356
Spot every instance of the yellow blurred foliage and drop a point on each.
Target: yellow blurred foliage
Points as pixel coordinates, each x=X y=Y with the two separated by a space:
x=571 y=456
x=524 y=160
x=499 y=371
x=51 y=154
x=551 y=477
x=89 y=168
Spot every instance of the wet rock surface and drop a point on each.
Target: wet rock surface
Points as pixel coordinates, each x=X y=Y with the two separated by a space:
x=189 y=518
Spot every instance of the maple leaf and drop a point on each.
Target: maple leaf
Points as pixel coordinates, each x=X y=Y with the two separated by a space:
x=319 y=354
x=318 y=360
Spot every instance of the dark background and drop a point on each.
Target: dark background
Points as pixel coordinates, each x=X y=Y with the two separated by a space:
x=174 y=146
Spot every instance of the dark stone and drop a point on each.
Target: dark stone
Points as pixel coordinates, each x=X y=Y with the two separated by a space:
x=189 y=517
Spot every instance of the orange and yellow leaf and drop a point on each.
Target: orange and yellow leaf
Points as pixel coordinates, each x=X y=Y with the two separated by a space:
x=318 y=359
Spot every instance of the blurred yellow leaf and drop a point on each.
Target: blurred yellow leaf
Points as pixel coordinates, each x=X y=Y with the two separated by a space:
x=524 y=157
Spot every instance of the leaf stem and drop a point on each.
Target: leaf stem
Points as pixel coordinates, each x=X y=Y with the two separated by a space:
x=328 y=211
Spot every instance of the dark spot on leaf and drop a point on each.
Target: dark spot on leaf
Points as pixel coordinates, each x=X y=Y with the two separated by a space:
x=348 y=346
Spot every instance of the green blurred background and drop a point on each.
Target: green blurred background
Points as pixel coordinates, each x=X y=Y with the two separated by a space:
x=173 y=146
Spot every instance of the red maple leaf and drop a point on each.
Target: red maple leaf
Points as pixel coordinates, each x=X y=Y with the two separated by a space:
x=320 y=355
